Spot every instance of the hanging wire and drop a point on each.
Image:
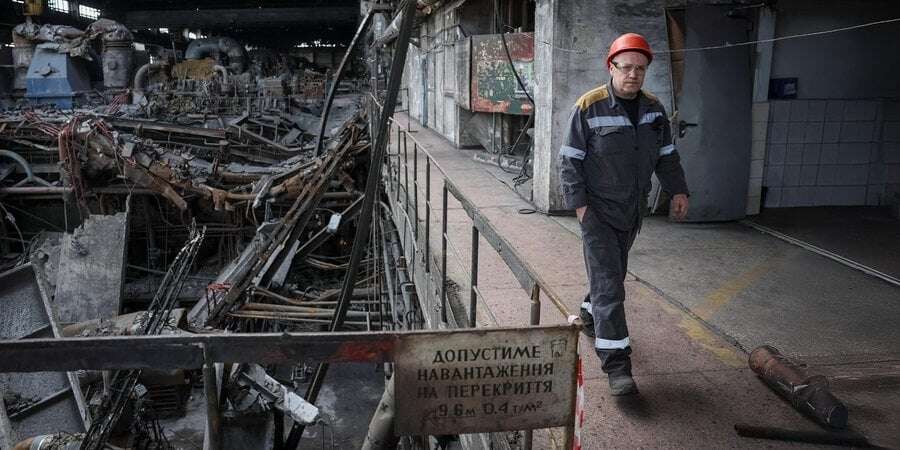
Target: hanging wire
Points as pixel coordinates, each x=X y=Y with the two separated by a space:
x=12 y=219
x=740 y=44
x=784 y=38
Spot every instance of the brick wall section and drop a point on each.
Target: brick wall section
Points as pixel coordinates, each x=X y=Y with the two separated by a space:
x=829 y=152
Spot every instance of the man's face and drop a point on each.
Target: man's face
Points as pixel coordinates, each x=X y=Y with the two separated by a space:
x=627 y=70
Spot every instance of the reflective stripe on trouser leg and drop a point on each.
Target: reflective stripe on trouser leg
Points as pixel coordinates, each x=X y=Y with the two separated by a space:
x=606 y=260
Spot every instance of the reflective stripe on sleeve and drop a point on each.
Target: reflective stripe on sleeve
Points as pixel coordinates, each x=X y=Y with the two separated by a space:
x=608 y=121
x=606 y=344
x=571 y=152
x=667 y=150
x=649 y=117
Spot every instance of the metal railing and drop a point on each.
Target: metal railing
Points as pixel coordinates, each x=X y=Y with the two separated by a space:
x=402 y=191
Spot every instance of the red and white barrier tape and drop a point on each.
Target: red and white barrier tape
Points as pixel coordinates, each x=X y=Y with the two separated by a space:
x=579 y=407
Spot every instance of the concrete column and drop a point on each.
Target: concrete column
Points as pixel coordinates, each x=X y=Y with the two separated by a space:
x=570 y=44
x=761 y=75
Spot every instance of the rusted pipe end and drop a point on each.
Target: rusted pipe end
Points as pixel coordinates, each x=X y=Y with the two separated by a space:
x=760 y=356
x=776 y=369
x=808 y=394
x=827 y=408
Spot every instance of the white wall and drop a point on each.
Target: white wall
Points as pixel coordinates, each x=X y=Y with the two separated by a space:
x=862 y=63
x=838 y=143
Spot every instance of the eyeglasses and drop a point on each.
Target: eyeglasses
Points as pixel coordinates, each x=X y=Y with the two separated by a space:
x=628 y=68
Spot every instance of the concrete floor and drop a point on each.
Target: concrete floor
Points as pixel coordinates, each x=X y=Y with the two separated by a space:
x=867 y=235
x=699 y=296
x=350 y=394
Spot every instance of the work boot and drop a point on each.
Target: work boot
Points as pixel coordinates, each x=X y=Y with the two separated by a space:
x=622 y=384
x=587 y=321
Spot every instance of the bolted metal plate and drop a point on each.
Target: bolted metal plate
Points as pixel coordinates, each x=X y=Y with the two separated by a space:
x=486 y=380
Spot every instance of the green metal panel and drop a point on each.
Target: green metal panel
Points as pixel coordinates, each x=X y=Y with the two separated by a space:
x=494 y=86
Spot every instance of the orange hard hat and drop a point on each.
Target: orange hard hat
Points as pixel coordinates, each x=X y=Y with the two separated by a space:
x=629 y=42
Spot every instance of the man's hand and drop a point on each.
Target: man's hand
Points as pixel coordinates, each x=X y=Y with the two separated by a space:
x=580 y=213
x=678 y=207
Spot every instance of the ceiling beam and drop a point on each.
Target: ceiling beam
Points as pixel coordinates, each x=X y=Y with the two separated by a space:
x=200 y=18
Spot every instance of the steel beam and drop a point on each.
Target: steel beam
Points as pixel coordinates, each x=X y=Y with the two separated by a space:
x=337 y=80
x=194 y=18
x=167 y=352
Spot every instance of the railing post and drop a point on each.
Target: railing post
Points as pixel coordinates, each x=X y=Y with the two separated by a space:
x=535 y=320
x=427 y=215
x=444 y=258
x=405 y=175
x=397 y=198
x=473 y=295
x=388 y=164
x=535 y=304
x=213 y=419
x=416 y=192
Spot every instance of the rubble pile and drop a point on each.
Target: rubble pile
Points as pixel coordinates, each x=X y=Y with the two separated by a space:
x=175 y=198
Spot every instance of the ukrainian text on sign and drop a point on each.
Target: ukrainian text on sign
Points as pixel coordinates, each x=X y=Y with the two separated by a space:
x=485 y=380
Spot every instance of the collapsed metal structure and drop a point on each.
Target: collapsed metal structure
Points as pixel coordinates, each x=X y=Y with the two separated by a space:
x=213 y=195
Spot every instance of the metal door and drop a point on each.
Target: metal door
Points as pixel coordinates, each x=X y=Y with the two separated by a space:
x=714 y=114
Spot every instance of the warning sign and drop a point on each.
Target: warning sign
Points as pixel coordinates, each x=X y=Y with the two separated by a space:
x=480 y=380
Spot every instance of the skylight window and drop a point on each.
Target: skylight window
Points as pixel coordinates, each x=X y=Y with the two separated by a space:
x=88 y=13
x=59 y=5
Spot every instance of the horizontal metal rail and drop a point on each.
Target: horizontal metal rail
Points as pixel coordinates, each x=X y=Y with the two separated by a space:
x=187 y=351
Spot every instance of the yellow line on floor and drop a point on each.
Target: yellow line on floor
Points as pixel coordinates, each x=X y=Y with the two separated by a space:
x=723 y=351
x=728 y=291
x=702 y=336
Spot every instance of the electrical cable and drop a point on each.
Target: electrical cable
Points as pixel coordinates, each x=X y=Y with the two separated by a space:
x=521 y=84
x=509 y=57
x=12 y=220
x=739 y=44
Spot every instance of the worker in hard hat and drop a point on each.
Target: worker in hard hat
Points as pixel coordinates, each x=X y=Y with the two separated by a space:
x=618 y=136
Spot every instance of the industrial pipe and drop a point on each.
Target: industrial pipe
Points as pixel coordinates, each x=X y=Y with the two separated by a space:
x=808 y=394
x=404 y=282
x=381 y=435
x=222 y=70
x=215 y=47
x=385 y=35
x=326 y=109
x=140 y=78
x=390 y=32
